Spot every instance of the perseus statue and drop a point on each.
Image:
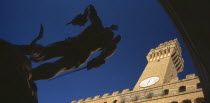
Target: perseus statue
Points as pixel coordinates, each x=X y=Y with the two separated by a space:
x=75 y=51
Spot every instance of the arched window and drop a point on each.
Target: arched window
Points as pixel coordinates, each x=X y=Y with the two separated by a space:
x=165 y=92
x=182 y=88
x=150 y=95
x=138 y=97
x=199 y=85
x=174 y=102
x=115 y=101
x=199 y=100
x=186 y=101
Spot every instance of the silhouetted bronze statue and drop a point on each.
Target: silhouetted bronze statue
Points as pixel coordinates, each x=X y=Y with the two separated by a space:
x=75 y=51
x=15 y=76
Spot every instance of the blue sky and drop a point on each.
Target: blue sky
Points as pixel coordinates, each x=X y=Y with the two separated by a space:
x=143 y=25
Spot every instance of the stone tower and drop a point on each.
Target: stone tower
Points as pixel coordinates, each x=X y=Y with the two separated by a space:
x=164 y=64
x=159 y=82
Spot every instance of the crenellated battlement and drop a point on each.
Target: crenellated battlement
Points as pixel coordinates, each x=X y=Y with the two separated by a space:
x=97 y=97
x=168 y=49
x=127 y=93
x=88 y=99
x=190 y=76
x=105 y=95
x=165 y=49
x=74 y=101
x=164 y=64
x=115 y=93
x=80 y=101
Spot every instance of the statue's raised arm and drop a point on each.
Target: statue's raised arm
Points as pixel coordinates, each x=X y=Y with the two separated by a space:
x=89 y=14
x=107 y=51
x=75 y=51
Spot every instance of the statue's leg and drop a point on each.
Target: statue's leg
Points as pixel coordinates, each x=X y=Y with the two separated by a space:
x=49 y=52
x=49 y=70
x=46 y=71
x=77 y=60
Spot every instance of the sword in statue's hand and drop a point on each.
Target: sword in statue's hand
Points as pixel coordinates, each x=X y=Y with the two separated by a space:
x=68 y=73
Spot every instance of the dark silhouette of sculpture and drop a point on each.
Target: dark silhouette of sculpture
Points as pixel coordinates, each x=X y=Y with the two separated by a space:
x=75 y=51
x=17 y=76
x=16 y=72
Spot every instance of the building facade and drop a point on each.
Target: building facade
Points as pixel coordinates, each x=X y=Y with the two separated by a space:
x=159 y=81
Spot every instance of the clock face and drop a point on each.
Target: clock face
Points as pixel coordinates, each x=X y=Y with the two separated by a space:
x=149 y=81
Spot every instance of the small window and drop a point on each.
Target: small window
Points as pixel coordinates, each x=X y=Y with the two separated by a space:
x=138 y=97
x=173 y=54
x=199 y=85
x=105 y=102
x=182 y=88
x=115 y=101
x=165 y=92
x=174 y=102
x=186 y=101
x=199 y=100
x=150 y=95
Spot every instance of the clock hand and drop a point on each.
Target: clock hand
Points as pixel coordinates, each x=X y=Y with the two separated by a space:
x=149 y=81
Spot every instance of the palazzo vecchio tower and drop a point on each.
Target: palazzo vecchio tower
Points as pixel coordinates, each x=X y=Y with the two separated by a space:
x=159 y=81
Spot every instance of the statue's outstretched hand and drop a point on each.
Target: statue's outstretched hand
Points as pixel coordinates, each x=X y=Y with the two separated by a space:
x=94 y=63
